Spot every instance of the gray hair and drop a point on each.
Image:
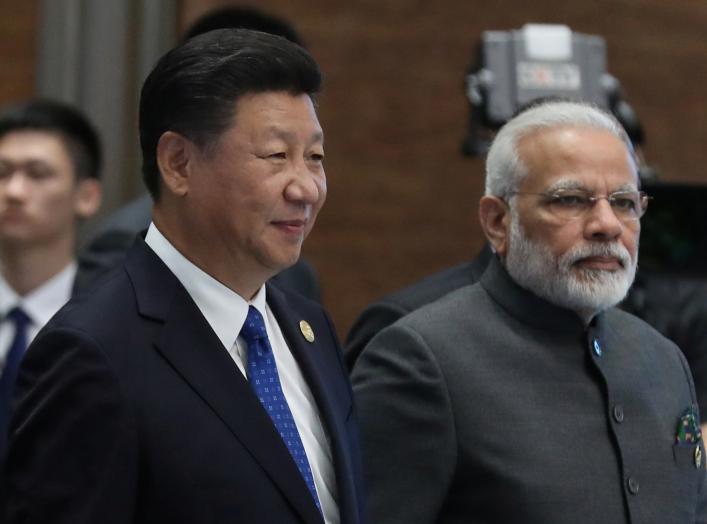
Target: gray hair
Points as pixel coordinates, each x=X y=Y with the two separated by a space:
x=504 y=167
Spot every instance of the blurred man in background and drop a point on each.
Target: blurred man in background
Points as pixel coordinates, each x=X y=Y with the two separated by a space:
x=49 y=164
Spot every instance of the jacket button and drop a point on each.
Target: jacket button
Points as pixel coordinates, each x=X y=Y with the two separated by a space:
x=633 y=486
x=618 y=413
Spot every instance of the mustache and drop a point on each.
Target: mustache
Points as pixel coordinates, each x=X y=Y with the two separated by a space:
x=613 y=250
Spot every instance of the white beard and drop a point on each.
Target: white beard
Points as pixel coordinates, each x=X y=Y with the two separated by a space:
x=585 y=291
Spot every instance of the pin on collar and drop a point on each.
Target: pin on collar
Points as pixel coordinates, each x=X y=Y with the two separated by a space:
x=306 y=330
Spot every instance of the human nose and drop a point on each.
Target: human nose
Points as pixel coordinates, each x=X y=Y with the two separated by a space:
x=16 y=185
x=305 y=186
x=602 y=222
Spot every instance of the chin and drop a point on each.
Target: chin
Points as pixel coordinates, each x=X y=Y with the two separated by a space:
x=284 y=261
x=15 y=237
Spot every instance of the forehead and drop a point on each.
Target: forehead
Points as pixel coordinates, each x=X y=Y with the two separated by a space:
x=276 y=113
x=34 y=145
x=578 y=156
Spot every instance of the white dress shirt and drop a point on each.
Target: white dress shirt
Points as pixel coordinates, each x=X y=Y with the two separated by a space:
x=39 y=305
x=226 y=311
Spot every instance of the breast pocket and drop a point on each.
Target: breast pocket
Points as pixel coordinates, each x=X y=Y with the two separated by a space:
x=689 y=456
x=690 y=470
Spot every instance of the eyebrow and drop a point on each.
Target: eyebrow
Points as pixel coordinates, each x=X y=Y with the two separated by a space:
x=563 y=185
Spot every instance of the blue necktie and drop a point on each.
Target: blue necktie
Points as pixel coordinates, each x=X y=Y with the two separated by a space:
x=263 y=378
x=12 y=364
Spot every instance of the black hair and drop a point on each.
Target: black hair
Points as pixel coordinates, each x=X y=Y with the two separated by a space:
x=243 y=18
x=78 y=134
x=194 y=88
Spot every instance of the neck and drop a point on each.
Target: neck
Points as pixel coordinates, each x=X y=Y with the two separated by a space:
x=28 y=267
x=199 y=251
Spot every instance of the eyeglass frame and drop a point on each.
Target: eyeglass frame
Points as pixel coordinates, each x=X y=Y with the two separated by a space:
x=643 y=199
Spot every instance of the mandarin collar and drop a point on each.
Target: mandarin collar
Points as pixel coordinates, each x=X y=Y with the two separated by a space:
x=529 y=308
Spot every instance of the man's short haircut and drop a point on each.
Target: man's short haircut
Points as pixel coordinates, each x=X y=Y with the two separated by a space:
x=194 y=88
x=73 y=128
x=504 y=167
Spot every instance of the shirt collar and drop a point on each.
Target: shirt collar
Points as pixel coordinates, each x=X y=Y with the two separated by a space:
x=41 y=303
x=224 y=309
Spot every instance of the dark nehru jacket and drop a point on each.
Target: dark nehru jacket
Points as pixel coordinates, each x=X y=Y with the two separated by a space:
x=494 y=406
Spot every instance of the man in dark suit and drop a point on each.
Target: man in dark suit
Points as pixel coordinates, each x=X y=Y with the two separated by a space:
x=528 y=397
x=183 y=388
x=50 y=158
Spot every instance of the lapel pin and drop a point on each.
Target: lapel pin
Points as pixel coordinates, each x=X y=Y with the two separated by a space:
x=306 y=330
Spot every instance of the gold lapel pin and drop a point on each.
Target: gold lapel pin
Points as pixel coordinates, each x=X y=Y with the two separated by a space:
x=698 y=456
x=306 y=330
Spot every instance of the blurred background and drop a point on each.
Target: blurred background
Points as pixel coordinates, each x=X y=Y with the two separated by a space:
x=402 y=198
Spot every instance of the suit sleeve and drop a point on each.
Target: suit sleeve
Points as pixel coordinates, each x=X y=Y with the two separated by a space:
x=73 y=454
x=408 y=439
x=370 y=322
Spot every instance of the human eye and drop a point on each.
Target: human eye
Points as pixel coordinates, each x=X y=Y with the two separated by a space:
x=569 y=199
x=6 y=169
x=38 y=171
x=624 y=202
x=317 y=157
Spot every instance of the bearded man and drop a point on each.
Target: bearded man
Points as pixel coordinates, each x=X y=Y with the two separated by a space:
x=527 y=397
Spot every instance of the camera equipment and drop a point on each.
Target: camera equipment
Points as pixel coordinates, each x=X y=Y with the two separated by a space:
x=514 y=68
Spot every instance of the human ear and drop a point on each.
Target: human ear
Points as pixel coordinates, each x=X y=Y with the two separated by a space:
x=174 y=152
x=495 y=218
x=88 y=197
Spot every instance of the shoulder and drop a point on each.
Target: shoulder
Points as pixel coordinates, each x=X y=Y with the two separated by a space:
x=394 y=306
x=429 y=333
x=431 y=288
x=106 y=300
x=117 y=310
x=461 y=308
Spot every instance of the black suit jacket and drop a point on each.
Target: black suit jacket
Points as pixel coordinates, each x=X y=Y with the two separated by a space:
x=130 y=411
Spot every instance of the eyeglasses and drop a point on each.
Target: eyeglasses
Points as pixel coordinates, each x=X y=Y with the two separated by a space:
x=568 y=204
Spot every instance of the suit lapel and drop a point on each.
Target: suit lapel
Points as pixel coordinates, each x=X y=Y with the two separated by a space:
x=191 y=347
x=324 y=372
